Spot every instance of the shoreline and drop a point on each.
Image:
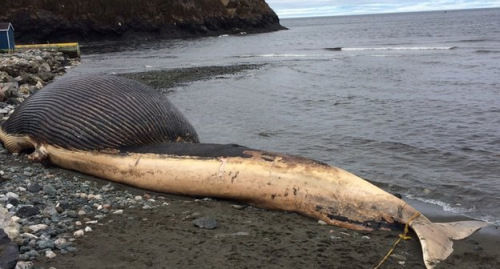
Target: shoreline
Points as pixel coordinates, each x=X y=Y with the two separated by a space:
x=157 y=230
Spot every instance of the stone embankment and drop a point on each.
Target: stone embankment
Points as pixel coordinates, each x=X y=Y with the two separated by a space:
x=24 y=73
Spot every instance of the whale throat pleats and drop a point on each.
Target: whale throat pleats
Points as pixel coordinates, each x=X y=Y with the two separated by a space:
x=99 y=112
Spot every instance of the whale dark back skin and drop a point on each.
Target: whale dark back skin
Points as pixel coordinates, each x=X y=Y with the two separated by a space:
x=99 y=112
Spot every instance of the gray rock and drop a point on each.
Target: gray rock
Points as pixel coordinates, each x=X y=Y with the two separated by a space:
x=4 y=239
x=45 y=67
x=71 y=249
x=13 y=101
x=44 y=244
x=205 y=223
x=50 y=211
x=24 y=265
x=32 y=254
x=27 y=211
x=9 y=254
x=49 y=190
x=9 y=251
x=71 y=214
x=12 y=195
x=46 y=76
x=34 y=187
x=239 y=207
x=13 y=201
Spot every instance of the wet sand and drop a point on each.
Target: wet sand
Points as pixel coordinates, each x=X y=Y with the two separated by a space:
x=245 y=236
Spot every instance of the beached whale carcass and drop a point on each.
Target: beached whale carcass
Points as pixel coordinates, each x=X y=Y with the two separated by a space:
x=121 y=130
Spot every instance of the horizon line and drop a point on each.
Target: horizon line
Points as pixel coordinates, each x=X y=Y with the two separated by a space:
x=384 y=13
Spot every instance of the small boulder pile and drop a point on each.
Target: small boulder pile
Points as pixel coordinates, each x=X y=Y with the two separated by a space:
x=24 y=73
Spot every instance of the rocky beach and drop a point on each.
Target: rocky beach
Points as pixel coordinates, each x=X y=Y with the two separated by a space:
x=55 y=218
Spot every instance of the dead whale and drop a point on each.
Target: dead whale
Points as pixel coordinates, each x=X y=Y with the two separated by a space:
x=134 y=146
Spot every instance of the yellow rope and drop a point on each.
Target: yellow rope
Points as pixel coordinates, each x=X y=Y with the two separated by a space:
x=403 y=236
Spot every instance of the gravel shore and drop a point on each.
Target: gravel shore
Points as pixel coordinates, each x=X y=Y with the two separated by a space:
x=63 y=219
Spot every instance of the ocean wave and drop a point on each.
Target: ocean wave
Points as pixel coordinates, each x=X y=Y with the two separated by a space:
x=456 y=209
x=270 y=55
x=390 y=48
x=470 y=40
x=487 y=51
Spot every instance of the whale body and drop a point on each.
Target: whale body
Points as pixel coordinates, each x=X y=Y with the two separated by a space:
x=123 y=131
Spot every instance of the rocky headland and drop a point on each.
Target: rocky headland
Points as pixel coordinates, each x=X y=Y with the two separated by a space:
x=66 y=20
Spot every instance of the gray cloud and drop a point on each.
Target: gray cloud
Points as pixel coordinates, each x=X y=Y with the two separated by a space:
x=301 y=8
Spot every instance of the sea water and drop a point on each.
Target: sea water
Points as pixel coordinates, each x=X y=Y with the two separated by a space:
x=409 y=101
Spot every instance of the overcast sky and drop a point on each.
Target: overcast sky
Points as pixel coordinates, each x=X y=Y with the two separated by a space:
x=307 y=8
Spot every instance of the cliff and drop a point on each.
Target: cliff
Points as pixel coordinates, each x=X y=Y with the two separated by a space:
x=77 y=20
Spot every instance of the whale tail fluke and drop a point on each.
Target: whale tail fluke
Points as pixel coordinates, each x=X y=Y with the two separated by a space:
x=436 y=238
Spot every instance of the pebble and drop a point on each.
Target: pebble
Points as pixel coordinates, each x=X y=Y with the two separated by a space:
x=27 y=211
x=321 y=222
x=118 y=212
x=29 y=235
x=13 y=201
x=88 y=229
x=71 y=214
x=78 y=233
x=205 y=223
x=60 y=242
x=232 y=234
x=24 y=265
x=366 y=237
x=49 y=190
x=38 y=227
x=50 y=254
x=32 y=253
x=8 y=251
x=11 y=195
x=398 y=257
x=43 y=244
x=34 y=188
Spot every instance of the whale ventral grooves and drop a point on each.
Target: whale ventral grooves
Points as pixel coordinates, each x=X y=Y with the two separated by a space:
x=99 y=112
